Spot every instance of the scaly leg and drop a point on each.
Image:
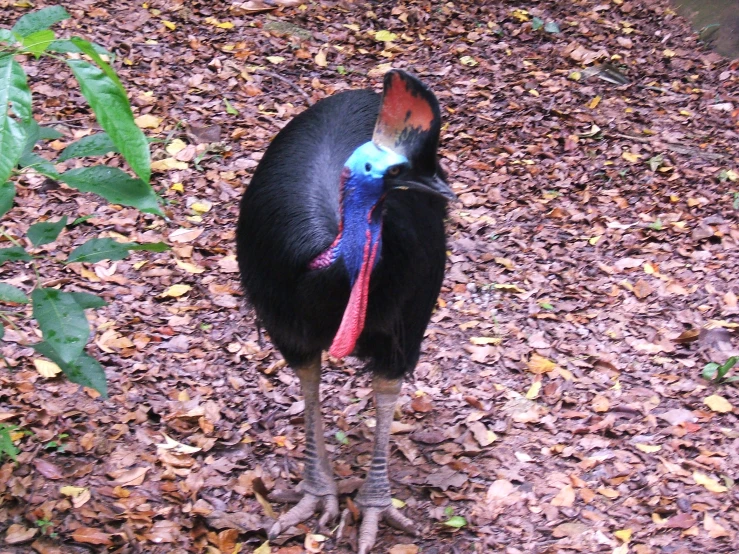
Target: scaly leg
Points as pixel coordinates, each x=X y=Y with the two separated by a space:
x=318 y=486
x=374 y=499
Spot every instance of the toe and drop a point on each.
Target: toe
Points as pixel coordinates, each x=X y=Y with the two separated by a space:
x=300 y=512
x=330 y=510
x=368 y=529
x=392 y=516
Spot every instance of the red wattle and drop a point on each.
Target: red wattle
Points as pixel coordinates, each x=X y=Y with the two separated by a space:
x=355 y=313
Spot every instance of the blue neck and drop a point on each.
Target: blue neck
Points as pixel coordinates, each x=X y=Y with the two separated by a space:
x=361 y=216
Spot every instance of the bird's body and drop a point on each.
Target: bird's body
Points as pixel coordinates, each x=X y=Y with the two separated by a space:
x=331 y=256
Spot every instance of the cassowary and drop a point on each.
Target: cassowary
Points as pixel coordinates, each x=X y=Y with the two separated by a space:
x=341 y=246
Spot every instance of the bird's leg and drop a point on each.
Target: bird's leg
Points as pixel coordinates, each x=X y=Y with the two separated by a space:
x=318 y=486
x=374 y=498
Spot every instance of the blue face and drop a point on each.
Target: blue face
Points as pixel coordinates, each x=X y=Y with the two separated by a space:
x=363 y=190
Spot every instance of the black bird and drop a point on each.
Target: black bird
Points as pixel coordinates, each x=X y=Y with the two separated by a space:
x=341 y=246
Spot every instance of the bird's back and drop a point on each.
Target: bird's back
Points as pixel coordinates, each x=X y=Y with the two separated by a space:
x=290 y=214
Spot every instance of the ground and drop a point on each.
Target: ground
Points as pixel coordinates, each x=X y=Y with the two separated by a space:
x=558 y=406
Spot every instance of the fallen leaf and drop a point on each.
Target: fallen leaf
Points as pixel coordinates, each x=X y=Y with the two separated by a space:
x=17 y=534
x=708 y=482
x=718 y=404
x=600 y=404
x=46 y=368
x=129 y=477
x=715 y=531
x=565 y=497
x=88 y=535
x=148 y=121
x=175 y=291
x=539 y=364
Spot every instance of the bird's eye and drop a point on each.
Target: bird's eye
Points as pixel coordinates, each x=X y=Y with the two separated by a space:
x=394 y=171
x=368 y=167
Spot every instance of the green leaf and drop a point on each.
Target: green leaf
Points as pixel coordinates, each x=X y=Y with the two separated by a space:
x=229 y=108
x=341 y=437
x=724 y=369
x=456 y=521
x=7 y=195
x=15 y=254
x=2 y=331
x=45 y=231
x=95 y=250
x=8 y=37
x=88 y=301
x=85 y=370
x=66 y=46
x=551 y=27
x=37 y=42
x=108 y=100
x=6 y=442
x=710 y=371
x=115 y=185
x=39 y=164
x=33 y=133
x=62 y=321
x=536 y=24
x=39 y=20
x=49 y=133
x=94 y=145
x=14 y=92
x=9 y=293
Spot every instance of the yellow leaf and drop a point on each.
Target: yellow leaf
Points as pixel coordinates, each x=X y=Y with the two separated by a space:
x=468 y=61
x=385 y=36
x=575 y=76
x=175 y=146
x=505 y=262
x=398 y=503
x=46 y=369
x=539 y=364
x=148 y=121
x=686 y=113
x=201 y=207
x=175 y=291
x=352 y=27
x=630 y=157
x=718 y=404
x=732 y=175
x=504 y=286
x=275 y=59
x=167 y=164
x=190 y=268
x=609 y=492
x=668 y=53
x=521 y=15
x=169 y=25
x=708 y=482
x=648 y=448
x=533 y=391
x=263 y=548
x=72 y=491
x=177 y=187
x=486 y=340
x=593 y=240
x=624 y=535
x=225 y=25
x=320 y=58
x=594 y=102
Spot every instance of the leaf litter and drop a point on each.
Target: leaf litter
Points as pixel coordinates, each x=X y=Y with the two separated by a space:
x=559 y=404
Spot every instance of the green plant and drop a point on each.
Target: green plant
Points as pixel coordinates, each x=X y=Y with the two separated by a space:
x=717 y=372
x=7 y=448
x=57 y=444
x=61 y=315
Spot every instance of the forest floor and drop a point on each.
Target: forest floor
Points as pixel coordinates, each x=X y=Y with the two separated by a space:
x=593 y=272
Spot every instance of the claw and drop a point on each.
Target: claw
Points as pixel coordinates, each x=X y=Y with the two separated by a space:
x=308 y=505
x=371 y=517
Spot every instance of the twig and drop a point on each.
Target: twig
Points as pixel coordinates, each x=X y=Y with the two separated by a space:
x=288 y=82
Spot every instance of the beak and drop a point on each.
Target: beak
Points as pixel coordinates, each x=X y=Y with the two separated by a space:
x=435 y=186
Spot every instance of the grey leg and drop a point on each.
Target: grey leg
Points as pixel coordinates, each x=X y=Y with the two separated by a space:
x=318 y=486
x=374 y=499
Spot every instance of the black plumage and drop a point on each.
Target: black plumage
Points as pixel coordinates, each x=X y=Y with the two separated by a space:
x=290 y=214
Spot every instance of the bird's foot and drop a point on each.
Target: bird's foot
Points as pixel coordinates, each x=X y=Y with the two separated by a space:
x=326 y=504
x=372 y=514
